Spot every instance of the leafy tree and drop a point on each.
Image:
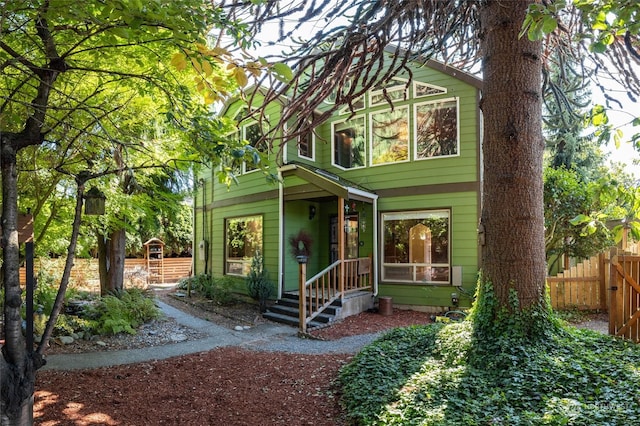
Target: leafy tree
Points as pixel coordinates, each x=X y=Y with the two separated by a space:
x=71 y=72
x=567 y=196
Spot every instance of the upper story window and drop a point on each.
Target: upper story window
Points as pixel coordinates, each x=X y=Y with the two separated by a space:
x=307 y=146
x=390 y=136
x=254 y=133
x=394 y=90
x=416 y=246
x=436 y=129
x=243 y=242
x=349 y=143
x=421 y=90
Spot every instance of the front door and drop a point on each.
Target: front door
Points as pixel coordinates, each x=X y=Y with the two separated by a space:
x=351 y=237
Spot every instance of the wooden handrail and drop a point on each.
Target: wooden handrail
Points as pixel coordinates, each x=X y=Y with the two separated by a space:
x=332 y=283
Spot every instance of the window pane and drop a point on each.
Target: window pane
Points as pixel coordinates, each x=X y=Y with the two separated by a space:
x=305 y=146
x=253 y=133
x=437 y=129
x=390 y=136
x=416 y=246
x=244 y=240
x=349 y=143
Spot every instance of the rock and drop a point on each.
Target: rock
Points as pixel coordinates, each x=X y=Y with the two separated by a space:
x=100 y=343
x=239 y=328
x=178 y=337
x=246 y=327
x=66 y=340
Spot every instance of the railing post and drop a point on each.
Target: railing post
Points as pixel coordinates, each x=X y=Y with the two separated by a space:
x=302 y=301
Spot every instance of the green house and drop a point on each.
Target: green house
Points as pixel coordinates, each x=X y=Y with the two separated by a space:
x=388 y=198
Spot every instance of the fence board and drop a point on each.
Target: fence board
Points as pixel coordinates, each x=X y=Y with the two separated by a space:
x=583 y=286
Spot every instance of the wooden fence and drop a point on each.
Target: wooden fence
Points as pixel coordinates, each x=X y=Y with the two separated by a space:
x=583 y=286
x=586 y=285
x=624 y=309
x=84 y=273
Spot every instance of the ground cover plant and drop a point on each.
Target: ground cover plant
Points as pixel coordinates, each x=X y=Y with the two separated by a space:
x=440 y=374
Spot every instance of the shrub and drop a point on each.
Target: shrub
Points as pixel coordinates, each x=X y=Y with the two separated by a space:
x=216 y=290
x=123 y=312
x=258 y=284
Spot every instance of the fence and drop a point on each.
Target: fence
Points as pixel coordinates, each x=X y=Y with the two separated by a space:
x=84 y=273
x=624 y=310
x=586 y=285
x=583 y=286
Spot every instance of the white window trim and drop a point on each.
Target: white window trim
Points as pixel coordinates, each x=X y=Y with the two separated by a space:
x=333 y=142
x=406 y=108
x=417 y=214
x=415 y=129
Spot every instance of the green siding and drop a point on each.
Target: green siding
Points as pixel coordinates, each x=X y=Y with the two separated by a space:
x=242 y=199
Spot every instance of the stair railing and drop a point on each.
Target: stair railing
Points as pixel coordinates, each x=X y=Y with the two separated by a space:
x=332 y=283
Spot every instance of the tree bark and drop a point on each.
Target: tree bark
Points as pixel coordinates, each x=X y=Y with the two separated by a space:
x=117 y=247
x=512 y=219
x=103 y=264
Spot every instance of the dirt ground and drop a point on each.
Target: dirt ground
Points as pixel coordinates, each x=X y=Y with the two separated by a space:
x=227 y=386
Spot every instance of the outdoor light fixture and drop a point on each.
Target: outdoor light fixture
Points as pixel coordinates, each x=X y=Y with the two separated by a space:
x=312 y=212
x=94 y=202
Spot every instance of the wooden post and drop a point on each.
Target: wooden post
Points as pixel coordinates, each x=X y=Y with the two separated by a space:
x=341 y=244
x=302 y=302
x=613 y=302
x=602 y=267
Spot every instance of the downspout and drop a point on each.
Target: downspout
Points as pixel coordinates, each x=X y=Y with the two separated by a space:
x=280 y=234
x=376 y=255
x=204 y=227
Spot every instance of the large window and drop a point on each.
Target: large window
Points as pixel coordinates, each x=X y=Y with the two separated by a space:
x=416 y=247
x=243 y=242
x=349 y=143
x=390 y=136
x=436 y=129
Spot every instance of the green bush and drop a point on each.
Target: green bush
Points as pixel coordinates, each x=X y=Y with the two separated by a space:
x=216 y=290
x=123 y=312
x=259 y=286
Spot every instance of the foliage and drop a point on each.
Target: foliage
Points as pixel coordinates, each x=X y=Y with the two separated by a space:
x=259 y=286
x=566 y=197
x=123 y=312
x=421 y=375
x=216 y=290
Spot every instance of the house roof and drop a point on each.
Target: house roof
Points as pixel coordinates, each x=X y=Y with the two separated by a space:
x=321 y=184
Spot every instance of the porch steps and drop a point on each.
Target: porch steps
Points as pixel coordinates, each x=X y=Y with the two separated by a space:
x=285 y=311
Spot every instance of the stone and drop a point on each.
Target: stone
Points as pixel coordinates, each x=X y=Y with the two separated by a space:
x=100 y=343
x=178 y=337
x=66 y=340
x=239 y=328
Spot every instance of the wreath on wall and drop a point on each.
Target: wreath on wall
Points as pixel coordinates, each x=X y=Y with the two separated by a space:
x=301 y=244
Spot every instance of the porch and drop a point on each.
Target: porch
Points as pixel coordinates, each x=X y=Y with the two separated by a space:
x=341 y=290
x=339 y=278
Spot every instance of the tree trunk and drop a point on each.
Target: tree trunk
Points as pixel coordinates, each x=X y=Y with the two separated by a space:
x=103 y=264
x=512 y=220
x=117 y=246
x=18 y=366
